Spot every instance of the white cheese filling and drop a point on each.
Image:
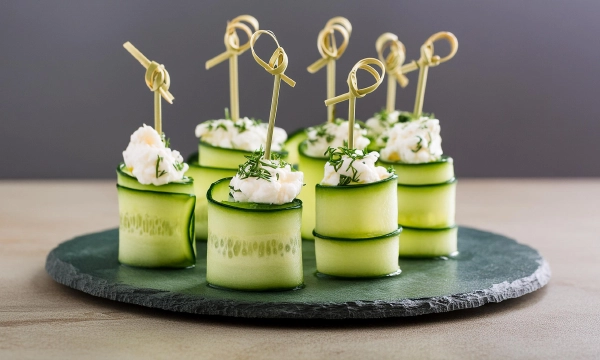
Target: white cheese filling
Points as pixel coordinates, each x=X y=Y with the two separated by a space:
x=333 y=134
x=356 y=168
x=149 y=160
x=413 y=142
x=243 y=134
x=278 y=183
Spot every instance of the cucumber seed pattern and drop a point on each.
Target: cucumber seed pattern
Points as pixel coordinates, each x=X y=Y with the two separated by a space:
x=230 y=247
x=149 y=225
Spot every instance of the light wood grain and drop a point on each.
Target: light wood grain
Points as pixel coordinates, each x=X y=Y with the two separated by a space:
x=42 y=319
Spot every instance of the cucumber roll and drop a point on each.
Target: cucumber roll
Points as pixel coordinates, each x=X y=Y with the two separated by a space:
x=254 y=219
x=356 y=233
x=156 y=204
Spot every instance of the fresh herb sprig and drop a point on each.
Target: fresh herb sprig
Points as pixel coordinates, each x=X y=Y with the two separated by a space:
x=162 y=172
x=256 y=165
x=336 y=159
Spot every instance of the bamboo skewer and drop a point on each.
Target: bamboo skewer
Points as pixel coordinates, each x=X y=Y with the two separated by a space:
x=330 y=52
x=276 y=67
x=428 y=59
x=354 y=92
x=393 y=65
x=157 y=79
x=233 y=50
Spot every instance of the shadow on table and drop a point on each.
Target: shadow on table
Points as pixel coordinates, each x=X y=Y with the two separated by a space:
x=43 y=280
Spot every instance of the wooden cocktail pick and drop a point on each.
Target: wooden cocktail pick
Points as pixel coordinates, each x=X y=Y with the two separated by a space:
x=276 y=67
x=427 y=60
x=233 y=50
x=330 y=52
x=393 y=65
x=354 y=92
x=157 y=79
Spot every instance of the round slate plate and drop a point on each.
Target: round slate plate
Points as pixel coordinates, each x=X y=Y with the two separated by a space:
x=489 y=268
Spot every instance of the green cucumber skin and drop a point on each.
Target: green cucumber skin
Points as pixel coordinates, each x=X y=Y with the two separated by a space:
x=131 y=182
x=203 y=178
x=423 y=174
x=156 y=229
x=359 y=258
x=291 y=145
x=213 y=156
x=357 y=211
x=427 y=207
x=253 y=249
x=428 y=243
x=313 y=169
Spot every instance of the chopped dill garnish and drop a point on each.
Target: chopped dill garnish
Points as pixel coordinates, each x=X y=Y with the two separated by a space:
x=178 y=166
x=336 y=159
x=162 y=172
x=419 y=145
x=255 y=165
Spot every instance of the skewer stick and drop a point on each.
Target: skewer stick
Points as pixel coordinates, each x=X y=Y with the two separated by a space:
x=354 y=92
x=428 y=59
x=330 y=52
x=393 y=65
x=233 y=50
x=157 y=79
x=276 y=66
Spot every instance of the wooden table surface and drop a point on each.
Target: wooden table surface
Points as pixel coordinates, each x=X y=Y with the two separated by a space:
x=42 y=319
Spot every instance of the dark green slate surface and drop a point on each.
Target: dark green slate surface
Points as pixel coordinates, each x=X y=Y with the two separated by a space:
x=490 y=268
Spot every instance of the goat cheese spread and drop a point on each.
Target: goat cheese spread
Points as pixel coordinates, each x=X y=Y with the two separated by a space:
x=346 y=167
x=265 y=181
x=414 y=142
x=243 y=134
x=333 y=134
x=149 y=159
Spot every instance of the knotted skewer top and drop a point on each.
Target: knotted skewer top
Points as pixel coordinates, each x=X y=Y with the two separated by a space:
x=354 y=92
x=427 y=60
x=278 y=61
x=427 y=52
x=326 y=42
x=232 y=41
x=395 y=58
x=157 y=78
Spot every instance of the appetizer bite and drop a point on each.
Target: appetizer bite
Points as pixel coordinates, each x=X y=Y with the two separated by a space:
x=156 y=199
x=254 y=218
x=426 y=182
x=356 y=232
x=224 y=143
x=334 y=133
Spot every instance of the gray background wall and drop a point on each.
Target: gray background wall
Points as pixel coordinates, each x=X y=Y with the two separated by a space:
x=519 y=99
